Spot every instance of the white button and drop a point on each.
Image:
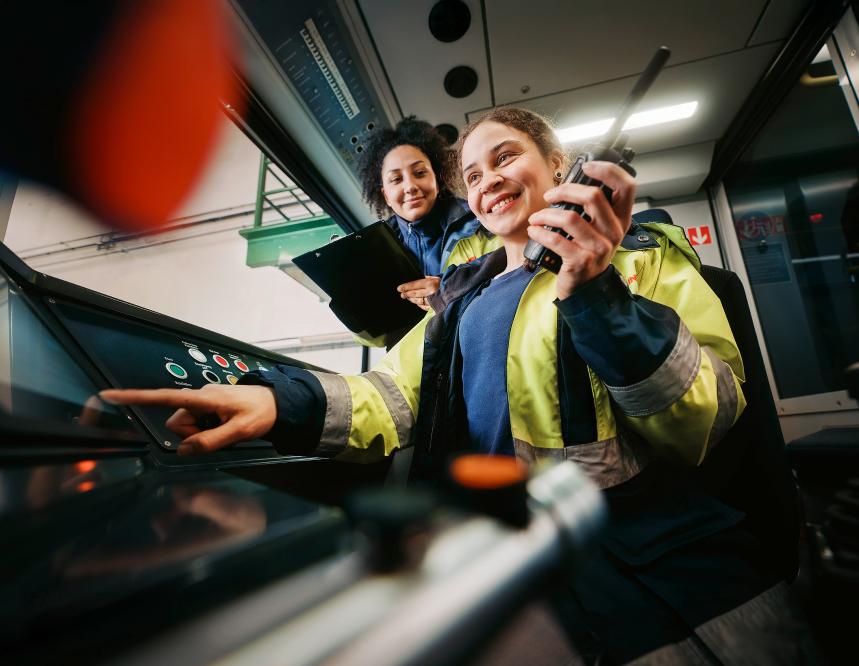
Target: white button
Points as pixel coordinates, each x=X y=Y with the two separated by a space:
x=197 y=355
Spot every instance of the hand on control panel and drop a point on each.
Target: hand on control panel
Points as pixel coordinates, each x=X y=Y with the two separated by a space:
x=245 y=412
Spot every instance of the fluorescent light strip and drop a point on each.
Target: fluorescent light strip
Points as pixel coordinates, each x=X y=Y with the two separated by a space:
x=666 y=114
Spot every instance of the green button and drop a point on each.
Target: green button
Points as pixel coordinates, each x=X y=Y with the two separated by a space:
x=176 y=370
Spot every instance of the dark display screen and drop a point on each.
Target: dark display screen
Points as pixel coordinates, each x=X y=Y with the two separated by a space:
x=137 y=355
x=39 y=379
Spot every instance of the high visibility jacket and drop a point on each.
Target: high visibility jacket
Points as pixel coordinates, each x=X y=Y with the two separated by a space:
x=638 y=363
x=637 y=366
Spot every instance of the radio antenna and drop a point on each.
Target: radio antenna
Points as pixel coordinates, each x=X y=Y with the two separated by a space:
x=648 y=76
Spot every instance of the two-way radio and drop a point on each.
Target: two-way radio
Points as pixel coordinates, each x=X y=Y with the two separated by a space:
x=611 y=148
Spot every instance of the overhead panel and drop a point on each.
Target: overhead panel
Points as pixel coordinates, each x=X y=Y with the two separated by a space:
x=575 y=44
x=719 y=85
x=778 y=20
x=571 y=61
x=416 y=62
x=675 y=172
x=312 y=46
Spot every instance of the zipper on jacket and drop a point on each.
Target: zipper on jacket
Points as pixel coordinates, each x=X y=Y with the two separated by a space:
x=436 y=412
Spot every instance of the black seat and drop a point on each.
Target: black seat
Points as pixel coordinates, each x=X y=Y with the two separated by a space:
x=748 y=468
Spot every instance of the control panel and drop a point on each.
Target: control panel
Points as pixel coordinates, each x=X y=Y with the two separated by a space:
x=316 y=52
x=137 y=354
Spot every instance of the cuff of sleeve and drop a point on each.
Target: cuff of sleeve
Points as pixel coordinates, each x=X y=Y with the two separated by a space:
x=606 y=288
x=300 y=404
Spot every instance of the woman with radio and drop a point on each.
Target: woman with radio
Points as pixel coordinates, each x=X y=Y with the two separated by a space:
x=623 y=362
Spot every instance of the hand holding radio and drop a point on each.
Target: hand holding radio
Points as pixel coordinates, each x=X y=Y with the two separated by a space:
x=614 y=156
x=585 y=238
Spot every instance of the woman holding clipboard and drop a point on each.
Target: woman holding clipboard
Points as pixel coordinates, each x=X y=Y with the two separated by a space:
x=405 y=175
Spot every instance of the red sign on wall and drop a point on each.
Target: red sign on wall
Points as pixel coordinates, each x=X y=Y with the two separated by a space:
x=758 y=225
x=699 y=235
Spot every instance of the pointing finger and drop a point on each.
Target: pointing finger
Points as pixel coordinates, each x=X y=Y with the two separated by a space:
x=192 y=400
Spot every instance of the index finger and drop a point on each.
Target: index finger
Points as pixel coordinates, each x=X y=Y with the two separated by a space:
x=161 y=397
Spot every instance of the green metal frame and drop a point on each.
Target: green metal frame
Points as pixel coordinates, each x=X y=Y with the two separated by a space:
x=275 y=243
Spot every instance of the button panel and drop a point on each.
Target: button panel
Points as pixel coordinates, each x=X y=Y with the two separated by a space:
x=209 y=365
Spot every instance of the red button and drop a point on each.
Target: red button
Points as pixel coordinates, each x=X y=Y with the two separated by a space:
x=220 y=360
x=241 y=365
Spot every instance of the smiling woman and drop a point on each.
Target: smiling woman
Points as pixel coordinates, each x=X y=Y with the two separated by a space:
x=513 y=163
x=409 y=183
x=406 y=171
x=634 y=380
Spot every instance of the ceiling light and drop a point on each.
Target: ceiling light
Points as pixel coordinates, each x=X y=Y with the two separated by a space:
x=666 y=114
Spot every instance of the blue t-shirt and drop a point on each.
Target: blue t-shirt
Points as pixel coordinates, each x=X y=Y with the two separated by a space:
x=484 y=335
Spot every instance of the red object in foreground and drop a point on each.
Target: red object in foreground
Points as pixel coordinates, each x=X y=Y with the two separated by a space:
x=148 y=115
x=487 y=472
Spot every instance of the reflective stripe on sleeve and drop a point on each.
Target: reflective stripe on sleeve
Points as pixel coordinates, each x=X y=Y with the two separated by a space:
x=338 y=413
x=726 y=397
x=396 y=404
x=667 y=384
x=607 y=463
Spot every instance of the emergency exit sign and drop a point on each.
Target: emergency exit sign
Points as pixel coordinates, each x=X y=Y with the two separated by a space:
x=699 y=235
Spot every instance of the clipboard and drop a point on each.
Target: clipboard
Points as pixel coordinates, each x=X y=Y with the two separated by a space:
x=361 y=272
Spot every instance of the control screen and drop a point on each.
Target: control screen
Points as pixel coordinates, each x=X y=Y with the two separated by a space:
x=39 y=379
x=134 y=354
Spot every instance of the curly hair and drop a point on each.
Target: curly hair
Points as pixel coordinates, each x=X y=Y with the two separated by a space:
x=409 y=132
x=537 y=127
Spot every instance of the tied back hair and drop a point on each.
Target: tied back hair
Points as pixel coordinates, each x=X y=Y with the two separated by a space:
x=538 y=128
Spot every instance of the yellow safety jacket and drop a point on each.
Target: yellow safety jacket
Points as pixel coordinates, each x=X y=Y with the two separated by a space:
x=571 y=370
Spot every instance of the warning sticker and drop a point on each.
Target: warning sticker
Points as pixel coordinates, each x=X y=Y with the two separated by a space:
x=699 y=235
x=759 y=225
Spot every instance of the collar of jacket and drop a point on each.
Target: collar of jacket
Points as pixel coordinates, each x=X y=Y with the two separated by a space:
x=447 y=211
x=459 y=280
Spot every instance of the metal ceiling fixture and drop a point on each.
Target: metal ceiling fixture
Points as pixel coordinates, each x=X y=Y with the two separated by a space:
x=449 y=132
x=460 y=81
x=449 y=20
